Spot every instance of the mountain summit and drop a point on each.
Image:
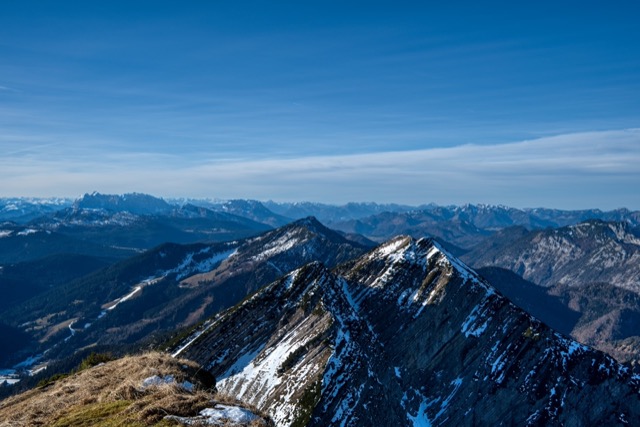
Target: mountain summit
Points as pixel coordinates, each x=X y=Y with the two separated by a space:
x=405 y=335
x=135 y=203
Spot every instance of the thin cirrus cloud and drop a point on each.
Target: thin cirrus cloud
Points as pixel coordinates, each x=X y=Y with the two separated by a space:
x=567 y=171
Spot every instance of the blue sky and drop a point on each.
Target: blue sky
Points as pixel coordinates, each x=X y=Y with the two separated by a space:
x=410 y=102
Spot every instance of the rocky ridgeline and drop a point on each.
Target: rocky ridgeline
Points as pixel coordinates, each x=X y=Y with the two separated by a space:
x=406 y=335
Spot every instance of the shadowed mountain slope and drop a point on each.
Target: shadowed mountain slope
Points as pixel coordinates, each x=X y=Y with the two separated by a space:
x=405 y=335
x=170 y=287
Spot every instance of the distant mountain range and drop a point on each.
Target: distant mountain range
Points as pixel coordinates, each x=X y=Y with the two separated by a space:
x=135 y=203
x=148 y=227
x=107 y=228
x=253 y=210
x=139 y=221
x=24 y=209
x=333 y=213
x=483 y=217
x=592 y=251
x=102 y=229
x=466 y=226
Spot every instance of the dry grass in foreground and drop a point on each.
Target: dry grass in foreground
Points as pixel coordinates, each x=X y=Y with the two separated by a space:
x=112 y=394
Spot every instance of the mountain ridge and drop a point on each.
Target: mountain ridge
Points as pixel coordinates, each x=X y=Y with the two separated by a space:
x=591 y=251
x=170 y=287
x=343 y=344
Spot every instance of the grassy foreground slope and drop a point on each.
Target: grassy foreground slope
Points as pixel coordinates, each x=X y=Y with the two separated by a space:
x=152 y=389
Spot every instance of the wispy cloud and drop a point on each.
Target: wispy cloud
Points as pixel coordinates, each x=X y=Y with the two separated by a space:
x=8 y=89
x=597 y=169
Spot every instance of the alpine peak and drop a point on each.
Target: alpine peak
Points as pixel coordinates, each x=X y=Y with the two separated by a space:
x=405 y=335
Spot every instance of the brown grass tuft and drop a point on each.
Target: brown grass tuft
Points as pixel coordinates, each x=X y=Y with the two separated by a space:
x=111 y=395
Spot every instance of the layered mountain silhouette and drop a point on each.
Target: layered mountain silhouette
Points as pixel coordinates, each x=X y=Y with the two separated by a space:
x=170 y=287
x=469 y=222
x=313 y=327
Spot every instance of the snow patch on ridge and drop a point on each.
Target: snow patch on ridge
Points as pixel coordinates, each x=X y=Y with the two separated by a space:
x=241 y=365
x=282 y=244
x=389 y=248
x=477 y=321
x=126 y=297
x=189 y=267
x=156 y=381
x=291 y=278
x=191 y=339
x=27 y=232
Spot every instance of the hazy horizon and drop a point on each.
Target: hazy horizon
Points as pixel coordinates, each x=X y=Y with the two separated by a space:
x=178 y=199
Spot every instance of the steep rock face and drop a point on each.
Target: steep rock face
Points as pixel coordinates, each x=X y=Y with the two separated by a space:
x=272 y=348
x=593 y=251
x=551 y=309
x=600 y=315
x=609 y=318
x=406 y=335
x=588 y=277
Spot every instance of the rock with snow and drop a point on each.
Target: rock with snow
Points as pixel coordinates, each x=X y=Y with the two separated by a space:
x=219 y=415
x=156 y=381
x=406 y=335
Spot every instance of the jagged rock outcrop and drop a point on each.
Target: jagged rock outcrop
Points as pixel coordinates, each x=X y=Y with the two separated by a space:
x=406 y=335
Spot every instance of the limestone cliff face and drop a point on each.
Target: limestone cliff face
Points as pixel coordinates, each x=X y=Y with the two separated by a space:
x=406 y=335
